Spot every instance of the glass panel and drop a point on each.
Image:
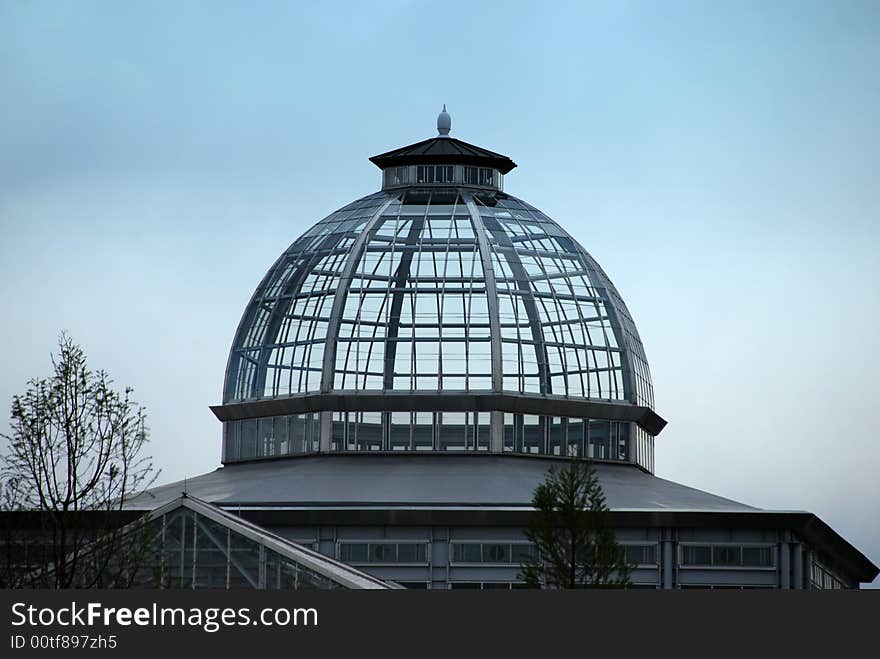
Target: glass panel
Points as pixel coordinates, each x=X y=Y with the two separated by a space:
x=338 y=431
x=399 y=433
x=266 y=438
x=298 y=443
x=556 y=436
x=521 y=553
x=533 y=434
x=233 y=440
x=211 y=559
x=369 y=436
x=696 y=555
x=452 y=431
x=383 y=553
x=727 y=556
x=174 y=574
x=411 y=553
x=576 y=433
x=496 y=553
x=757 y=556
x=641 y=554
x=423 y=431
x=353 y=552
x=483 y=429
x=463 y=552
x=282 y=424
x=600 y=442
x=248 y=438
x=244 y=559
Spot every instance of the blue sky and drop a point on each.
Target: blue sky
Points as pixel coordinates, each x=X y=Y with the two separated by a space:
x=720 y=160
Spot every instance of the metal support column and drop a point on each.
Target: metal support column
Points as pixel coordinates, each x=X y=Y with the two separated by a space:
x=439 y=558
x=784 y=565
x=668 y=552
x=797 y=550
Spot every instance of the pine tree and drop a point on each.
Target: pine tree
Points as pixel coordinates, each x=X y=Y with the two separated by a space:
x=574 y=546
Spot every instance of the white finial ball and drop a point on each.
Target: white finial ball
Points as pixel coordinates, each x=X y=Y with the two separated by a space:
x=444 y=122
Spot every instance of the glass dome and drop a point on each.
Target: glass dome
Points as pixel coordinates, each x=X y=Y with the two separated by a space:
x=441 y=315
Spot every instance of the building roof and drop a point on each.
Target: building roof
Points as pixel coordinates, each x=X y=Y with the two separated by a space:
x=443 y=150
x=421 y=480
x=482 y=489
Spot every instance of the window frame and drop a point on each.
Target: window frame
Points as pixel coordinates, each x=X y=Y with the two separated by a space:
x=384 y=541
x=682 y=546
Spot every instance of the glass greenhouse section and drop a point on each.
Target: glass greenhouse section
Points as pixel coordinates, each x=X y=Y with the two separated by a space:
x=438 y=314
x=437 y=292
x=398 y=291
x=198 y=545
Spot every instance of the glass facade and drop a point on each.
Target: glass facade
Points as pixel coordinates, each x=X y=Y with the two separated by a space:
x=428 y=291
x=270 y=437
x=298 y=434
x=413 y=312
x=212 y=549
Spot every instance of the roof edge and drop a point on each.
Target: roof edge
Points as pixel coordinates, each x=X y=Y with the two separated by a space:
x=443 y=150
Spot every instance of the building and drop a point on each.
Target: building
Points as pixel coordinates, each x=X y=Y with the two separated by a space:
x=410 y=367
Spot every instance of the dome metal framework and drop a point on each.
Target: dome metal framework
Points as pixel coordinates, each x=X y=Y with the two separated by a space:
x=438 y=314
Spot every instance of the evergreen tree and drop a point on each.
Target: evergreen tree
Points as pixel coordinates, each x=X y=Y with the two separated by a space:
x=574 y=546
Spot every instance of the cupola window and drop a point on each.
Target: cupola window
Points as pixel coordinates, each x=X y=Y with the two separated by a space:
x=434 y=174
x=479 y=176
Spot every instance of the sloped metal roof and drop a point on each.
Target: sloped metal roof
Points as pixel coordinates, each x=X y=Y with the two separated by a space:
x=420 y=480
x=486 y=489
x=441 y=151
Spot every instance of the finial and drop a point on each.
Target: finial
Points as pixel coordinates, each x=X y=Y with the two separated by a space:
x=444 y=122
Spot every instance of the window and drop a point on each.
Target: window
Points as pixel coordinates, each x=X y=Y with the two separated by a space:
x=727 y=556
x=478 y=176
x=696 y=555
x=466 y=553
x=521 y=553
x=232 y=439
x=411 y=553
x=435 y=174
x=505 y=553
x=823 y=579
x=641 y=554
x=249 y=439
x=353 y=552
x=757 y=557
x=496 y=553
x=383 y=552
x=396 y=176
x=486 y=585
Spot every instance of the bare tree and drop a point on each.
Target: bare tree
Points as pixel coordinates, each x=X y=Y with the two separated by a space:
x=574 y=545
x=74 y=456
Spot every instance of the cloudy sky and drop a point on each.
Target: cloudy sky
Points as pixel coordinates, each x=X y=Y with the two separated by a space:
x=720 y=160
